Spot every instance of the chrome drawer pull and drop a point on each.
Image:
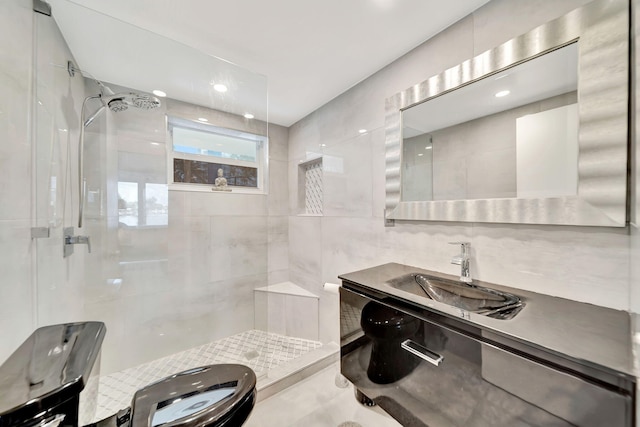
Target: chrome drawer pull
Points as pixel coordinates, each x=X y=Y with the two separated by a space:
x=422 y=352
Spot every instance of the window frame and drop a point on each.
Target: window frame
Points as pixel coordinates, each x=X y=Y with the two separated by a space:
x=261 y=163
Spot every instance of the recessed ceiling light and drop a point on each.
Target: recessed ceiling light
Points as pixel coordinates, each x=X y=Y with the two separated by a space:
x=502 y=93
x=248 y=116
x=220 y=87
x=159 y=93
x=428 y=147
x=362 y=131
x=202 y=119
x=155 y=143
x=420 y=154
x=323 y=145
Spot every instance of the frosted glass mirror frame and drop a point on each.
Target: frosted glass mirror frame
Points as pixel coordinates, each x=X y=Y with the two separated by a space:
x=601 y=29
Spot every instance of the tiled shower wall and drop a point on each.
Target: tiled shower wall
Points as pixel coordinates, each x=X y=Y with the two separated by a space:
x=16 y=296
x=38 y=284
x=159 y=290
x=582 y=263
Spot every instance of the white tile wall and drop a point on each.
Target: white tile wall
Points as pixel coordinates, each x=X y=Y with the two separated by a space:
x=287 y=309
x=586 y=264
x=16 y=37
x=158 y=289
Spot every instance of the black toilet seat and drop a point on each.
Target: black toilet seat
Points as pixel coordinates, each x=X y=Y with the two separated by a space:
x=214 y=395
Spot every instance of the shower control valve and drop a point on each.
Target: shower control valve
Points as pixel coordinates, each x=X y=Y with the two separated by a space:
x=70 y=240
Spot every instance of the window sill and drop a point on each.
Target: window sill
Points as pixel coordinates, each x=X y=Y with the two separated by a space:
x=205 y=188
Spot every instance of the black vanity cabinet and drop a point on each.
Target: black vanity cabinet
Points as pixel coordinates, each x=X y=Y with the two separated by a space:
x=430 y=369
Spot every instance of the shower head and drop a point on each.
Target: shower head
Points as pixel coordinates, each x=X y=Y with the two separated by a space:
x=120 y=102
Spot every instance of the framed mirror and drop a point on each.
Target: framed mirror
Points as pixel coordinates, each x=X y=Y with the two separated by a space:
x=534 y=131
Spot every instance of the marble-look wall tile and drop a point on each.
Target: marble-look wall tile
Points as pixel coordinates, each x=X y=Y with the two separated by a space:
x=16 y=35
x=210 y=204
x=287 y=313
x=261 y=310
x=301 y=314
x=16 y=292
x=501 y=253
x=16 y=295
x=278 y=276
x=305 y=251
x=347 y=168
x=238 y=247
x=278 y=239
x=278 y=197
x=584 y=264
x=190 y=249
x=167 y=322
x=278 y=142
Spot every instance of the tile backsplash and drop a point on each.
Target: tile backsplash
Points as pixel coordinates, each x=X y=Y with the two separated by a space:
x=588 y=264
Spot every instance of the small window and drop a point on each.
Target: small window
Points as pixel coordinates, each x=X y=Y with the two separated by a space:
x=200 y=150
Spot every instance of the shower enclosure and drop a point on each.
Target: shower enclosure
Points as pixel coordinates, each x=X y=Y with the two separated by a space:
x=180 y=274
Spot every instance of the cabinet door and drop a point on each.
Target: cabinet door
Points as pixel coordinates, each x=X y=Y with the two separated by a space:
x=457 y=380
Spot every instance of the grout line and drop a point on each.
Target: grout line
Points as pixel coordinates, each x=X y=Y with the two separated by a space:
x=259 y=350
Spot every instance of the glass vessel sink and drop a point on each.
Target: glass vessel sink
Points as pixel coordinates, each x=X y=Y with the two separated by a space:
x=475 y=299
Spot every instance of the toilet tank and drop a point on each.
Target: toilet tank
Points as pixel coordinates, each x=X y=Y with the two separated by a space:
x=52 y=378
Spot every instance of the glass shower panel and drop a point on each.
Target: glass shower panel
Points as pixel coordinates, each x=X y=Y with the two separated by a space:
x=171 y=272
x=57 y=99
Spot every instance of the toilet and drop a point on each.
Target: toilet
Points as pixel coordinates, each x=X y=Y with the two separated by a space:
x=50 y=381
x=214 y=396
x=387 y=328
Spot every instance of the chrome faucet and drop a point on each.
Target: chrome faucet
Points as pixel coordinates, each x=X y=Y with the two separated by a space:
x=463 y=261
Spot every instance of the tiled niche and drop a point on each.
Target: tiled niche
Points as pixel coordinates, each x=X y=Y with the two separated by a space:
x=310 y=188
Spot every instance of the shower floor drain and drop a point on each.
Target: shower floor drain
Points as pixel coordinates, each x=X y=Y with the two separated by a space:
x=350 y=424
x=251 y=354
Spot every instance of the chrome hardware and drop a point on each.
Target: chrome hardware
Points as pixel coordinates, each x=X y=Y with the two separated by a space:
x=463 y=261
x=39 y=232
x=70 y=240
x=422 y=352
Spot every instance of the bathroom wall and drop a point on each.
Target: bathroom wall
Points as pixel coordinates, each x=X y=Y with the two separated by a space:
x=581 y=263
x=159 y=289
x=16 y=294
x=190 y=280
x=40 y=127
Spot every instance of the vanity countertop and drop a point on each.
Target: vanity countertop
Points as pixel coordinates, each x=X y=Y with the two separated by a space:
x=597 y=336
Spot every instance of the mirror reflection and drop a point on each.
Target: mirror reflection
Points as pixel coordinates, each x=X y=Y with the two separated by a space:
x=513 y=134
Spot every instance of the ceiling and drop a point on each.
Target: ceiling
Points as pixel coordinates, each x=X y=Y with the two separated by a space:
x=308 y=52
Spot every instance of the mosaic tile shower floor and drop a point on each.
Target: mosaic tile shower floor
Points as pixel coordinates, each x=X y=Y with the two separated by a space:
x=259 y=350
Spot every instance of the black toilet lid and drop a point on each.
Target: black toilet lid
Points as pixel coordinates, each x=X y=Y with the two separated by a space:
x=198 y=397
